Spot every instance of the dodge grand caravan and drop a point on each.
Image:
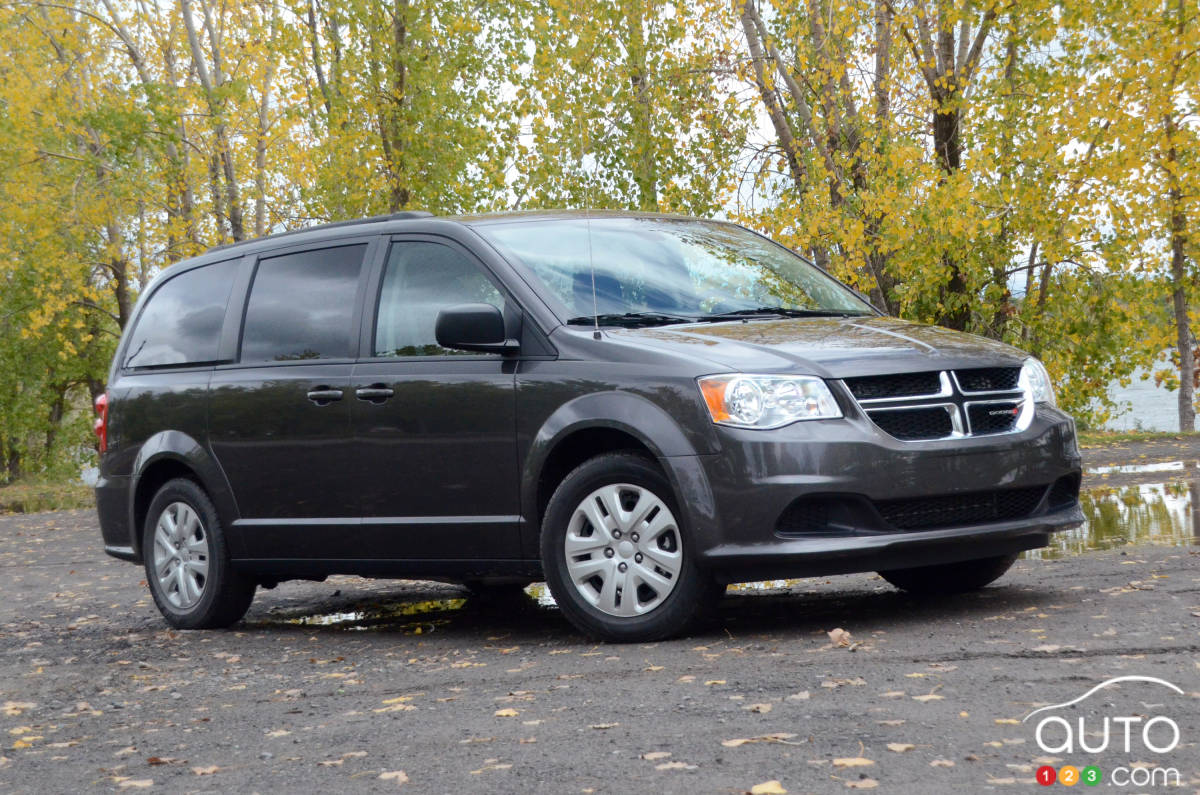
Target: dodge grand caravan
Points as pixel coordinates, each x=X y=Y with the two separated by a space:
x=637 y=408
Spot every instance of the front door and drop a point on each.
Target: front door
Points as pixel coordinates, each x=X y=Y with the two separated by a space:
x=435 y=428
x=279 y=419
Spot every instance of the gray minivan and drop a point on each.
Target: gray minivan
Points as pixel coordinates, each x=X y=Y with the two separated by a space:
x=637 y=408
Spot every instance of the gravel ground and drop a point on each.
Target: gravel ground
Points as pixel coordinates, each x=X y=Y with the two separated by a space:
x=357 y=685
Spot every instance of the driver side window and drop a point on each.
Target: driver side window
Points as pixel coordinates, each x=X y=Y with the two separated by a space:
x=420 y=280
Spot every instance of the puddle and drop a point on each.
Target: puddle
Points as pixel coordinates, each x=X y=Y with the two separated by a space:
x=1163 y=466
x=1149 y=513
x=390 y=616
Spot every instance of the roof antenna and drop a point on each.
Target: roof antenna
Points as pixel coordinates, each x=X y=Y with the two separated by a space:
x=587 y=219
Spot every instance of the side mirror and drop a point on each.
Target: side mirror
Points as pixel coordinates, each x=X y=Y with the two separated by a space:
x=473 y=327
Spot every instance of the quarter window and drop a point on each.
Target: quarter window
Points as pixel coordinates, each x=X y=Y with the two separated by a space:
x=302 y=306
x=181 y=323
x=421 y=280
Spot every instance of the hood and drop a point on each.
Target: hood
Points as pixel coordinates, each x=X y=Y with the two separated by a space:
x=829 y=347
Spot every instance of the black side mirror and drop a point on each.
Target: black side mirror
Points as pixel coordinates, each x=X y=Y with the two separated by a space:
x=473 y=327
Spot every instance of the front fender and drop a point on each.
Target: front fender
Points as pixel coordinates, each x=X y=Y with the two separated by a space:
x=184 y=450
x=641 y=419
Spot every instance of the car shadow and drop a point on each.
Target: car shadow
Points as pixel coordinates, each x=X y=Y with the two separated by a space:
x=425 y=609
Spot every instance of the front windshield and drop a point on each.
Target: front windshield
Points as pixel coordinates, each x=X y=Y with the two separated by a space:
x=653 y=271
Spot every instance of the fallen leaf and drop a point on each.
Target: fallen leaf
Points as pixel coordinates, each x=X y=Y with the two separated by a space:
x=863 y=783
x=839 y=637
x=777 y=737
x=900 y=748
x=801 y=696
x=762 y=709
x=15 y=708
x=331 y=763
x=165 y=760
x=928 y=697
x=772 y=787
x=651 y=756
x=136 y=783
x=278 y=733
x=207 y=770
x=715 y=682
x=852 y=761
x=506 y=713
x=398 y=776
x=857 y=681
x=604 y=725
x=1008 y=721
x=674 y=766
x=942 y=763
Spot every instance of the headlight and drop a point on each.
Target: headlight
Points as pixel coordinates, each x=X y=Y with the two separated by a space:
x=766 y=401
x=1035 y=382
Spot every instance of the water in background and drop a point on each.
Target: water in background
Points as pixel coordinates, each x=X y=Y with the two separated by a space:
x=1151 y=408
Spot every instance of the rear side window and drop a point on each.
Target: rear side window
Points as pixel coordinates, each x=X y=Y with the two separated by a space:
x=302 y=306
x=181 y=323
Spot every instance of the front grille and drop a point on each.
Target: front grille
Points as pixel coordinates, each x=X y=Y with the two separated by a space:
x=988 y=418
x=974 y=401
x=988 y=379
x=913 y=424
x=875 y=387
x=955 y=510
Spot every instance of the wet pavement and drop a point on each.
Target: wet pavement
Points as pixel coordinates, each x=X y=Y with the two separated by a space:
x=361 y=685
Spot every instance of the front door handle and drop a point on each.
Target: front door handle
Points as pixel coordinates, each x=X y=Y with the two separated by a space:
x=375 y=393
x=323 y=395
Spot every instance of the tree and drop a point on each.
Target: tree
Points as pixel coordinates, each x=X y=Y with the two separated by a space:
x=628 y=104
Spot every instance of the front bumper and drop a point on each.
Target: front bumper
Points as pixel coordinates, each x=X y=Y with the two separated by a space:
x=736 y=501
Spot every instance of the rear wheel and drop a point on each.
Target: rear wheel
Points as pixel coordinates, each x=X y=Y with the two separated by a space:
x=617 y=556
x=950 y=578
x=187 y=560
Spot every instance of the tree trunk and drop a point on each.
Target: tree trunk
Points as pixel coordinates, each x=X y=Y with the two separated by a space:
x=645 y=170
x=1183 y=328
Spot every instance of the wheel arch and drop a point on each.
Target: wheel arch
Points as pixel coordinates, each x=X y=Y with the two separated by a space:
x=607 y=422
x=164 y=457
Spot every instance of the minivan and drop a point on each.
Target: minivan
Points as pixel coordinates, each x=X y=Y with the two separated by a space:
x=636 y=408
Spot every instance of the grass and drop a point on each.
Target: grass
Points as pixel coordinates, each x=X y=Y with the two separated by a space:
x=1106 y=438
x=32 y=495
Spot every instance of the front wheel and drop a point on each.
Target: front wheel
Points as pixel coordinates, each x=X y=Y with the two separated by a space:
x=187 y=560
x=950 y=578
x=617 y=555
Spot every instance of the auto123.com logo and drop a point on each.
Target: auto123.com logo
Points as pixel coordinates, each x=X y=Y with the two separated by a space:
x=1135 y=736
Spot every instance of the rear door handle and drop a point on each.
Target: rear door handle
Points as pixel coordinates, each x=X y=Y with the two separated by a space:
x=375 y=393
x=323 y=396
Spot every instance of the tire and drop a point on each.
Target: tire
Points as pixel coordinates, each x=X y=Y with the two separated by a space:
x=670 y=592
x=950 y=578
x=187 y=563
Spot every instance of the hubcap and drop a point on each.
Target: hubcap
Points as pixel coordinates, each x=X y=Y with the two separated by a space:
x=623 y=550
x=180 y=555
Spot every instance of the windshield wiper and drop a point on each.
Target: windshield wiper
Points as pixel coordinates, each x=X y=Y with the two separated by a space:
x=631 y=319
x=779 y=311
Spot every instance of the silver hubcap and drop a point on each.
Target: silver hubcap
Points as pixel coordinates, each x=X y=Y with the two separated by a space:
x=180 y=555
x=623 y=550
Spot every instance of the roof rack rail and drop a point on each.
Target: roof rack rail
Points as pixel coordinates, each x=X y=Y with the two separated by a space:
x=374 y=219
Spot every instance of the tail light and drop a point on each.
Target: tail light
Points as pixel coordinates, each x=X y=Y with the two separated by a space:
x=101 y=424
